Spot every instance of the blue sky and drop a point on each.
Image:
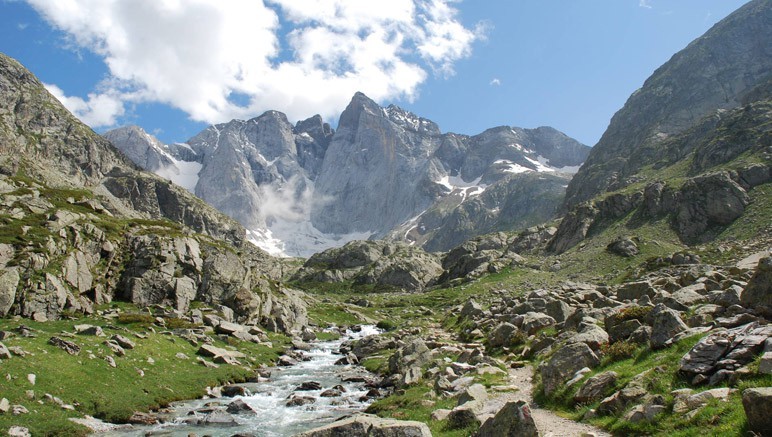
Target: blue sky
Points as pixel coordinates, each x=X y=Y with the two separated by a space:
x=174 y=66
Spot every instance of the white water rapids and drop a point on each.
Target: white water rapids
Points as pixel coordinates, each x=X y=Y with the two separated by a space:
x=272 y=418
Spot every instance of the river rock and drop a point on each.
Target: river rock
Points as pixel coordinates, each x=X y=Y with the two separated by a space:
x=231 y=391
x=514 y=419
x=239 y=407
x=371 y=426
x=299 y=401
x=309 y=386
x=757 y=403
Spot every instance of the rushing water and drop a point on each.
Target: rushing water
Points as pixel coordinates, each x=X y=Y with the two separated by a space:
x=272 y=418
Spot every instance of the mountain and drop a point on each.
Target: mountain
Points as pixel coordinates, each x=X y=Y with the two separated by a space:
x=691 y=147
x=713 y=73
x=384 y=173
x=81 y=225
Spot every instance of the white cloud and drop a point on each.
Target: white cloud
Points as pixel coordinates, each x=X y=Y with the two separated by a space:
x=98 y=111
x=645 y=4
x=495 y=82
x=219 y=60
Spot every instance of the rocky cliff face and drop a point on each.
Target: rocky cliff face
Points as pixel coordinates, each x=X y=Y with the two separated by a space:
x=384 y=173
x=715 y=72
x=689 y=146
x=81 y=225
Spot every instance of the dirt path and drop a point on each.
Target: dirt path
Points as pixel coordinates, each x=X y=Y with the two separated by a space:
x=548 y=423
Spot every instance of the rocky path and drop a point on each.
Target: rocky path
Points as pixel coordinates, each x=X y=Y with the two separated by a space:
x=548 y=423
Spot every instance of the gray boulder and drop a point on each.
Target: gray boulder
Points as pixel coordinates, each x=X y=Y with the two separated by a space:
x=624 y=246
x=757 y=403
x=9 y=281
x=758 y=293
x=596 y=387
x=366 y=425
x=566 y=361
x=514 y=419
x=505 y=335
x=666 y=325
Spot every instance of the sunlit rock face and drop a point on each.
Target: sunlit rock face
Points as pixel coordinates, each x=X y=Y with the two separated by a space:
x=385 y=173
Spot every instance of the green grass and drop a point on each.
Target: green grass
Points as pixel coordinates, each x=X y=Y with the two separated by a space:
x=720 y=418
x=96 y=389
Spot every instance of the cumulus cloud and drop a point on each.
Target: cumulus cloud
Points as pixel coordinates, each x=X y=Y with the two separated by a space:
x=644 y=4
x=98 y=111
x=219 y=60
x=495 y=82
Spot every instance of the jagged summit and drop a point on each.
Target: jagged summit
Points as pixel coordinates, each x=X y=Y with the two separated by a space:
x=385 y=172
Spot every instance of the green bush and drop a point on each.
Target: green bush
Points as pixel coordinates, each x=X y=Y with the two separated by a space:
x=386 y=325
x=129 y=318
x=620 y=350
x=634 y=312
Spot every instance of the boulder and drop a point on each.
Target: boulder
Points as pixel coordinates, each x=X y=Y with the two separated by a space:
x=514 y=419
x=123 y=341
x=68 y=346
x=666 y=325
x=534 y=322
x=757 y=403
x=623 y=246
x=475 y=392
x=371 y=426
x=635 y=290
x=564 y=363
x=726 y=349
x=505 y=335
x=596 y=387
x=239 y=407
x=9 y=282
x=471 y=310
x=758 y=293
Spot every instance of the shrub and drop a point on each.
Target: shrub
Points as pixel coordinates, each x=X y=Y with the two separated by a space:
x=634 y=312
x=620 y=350
x=128 y=318
x=386 y=325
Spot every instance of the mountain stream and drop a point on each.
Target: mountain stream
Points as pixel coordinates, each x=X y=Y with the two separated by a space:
x=271 y=417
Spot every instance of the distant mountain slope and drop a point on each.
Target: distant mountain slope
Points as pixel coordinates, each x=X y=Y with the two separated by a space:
x=81 y=225
x=384 y=173
x=714 y=72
